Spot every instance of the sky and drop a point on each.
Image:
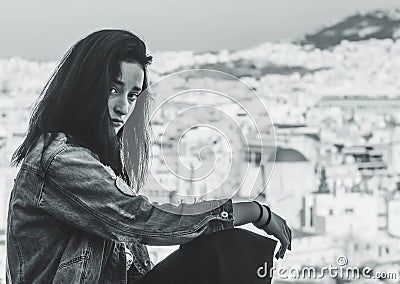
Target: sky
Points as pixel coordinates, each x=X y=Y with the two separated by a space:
x=45 y=29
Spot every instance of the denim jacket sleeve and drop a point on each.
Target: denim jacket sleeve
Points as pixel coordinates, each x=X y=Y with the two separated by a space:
x=81 y=191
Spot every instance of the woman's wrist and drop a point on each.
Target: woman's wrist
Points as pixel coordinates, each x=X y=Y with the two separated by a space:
x=245 y=212
x=265 y=216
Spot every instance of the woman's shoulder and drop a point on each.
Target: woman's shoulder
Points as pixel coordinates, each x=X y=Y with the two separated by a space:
x=61 y=141
x=49 y=145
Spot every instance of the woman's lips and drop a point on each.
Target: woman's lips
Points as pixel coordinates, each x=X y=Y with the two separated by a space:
x=116 y=121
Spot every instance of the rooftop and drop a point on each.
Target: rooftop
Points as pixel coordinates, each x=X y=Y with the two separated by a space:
x=288 y=155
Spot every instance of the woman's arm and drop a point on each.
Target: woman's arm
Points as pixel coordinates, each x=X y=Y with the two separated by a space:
x=245 y=212
x=82 y=192
x=79 y=190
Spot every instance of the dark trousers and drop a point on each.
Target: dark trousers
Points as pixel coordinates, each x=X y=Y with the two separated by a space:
x=229 y=256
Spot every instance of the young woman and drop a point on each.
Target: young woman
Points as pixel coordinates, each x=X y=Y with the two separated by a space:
x=75 y=213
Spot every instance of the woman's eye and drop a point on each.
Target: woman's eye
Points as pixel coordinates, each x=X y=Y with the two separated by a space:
x=133 y=96
x=113 y=90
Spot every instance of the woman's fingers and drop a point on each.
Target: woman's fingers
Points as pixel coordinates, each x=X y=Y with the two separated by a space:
x=284 y=245
x=280 y=230
x=282 y=250
x=289 y=236
x=285 y=240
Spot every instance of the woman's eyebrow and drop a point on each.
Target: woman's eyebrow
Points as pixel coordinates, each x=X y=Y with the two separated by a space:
x=118 y=82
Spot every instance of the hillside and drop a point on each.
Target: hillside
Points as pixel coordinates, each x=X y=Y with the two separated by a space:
x=362 y=26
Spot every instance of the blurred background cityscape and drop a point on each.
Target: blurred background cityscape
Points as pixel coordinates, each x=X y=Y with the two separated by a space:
x=334 y=99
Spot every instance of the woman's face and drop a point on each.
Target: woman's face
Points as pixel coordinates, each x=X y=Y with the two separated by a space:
x=124 y=92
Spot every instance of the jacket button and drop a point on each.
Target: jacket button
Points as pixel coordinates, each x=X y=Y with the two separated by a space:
x=224 y=214
x=147 y=262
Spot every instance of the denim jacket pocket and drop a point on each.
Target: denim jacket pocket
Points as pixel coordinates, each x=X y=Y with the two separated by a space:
x=73 y=270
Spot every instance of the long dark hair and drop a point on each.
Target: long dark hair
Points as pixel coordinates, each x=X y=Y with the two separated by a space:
x=75 y=102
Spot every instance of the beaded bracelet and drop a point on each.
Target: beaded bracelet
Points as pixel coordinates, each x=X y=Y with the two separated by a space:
x=264 y=219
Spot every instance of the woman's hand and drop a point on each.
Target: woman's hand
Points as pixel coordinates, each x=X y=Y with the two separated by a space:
x=246 y=212
x=279 y=229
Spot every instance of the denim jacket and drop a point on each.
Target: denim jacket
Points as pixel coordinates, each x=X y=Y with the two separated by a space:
x=70 y=217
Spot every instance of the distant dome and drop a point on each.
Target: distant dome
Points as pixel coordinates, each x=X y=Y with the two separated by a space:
x=287 y=155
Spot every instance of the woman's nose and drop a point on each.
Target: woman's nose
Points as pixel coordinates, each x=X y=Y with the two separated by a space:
x=122 y=106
